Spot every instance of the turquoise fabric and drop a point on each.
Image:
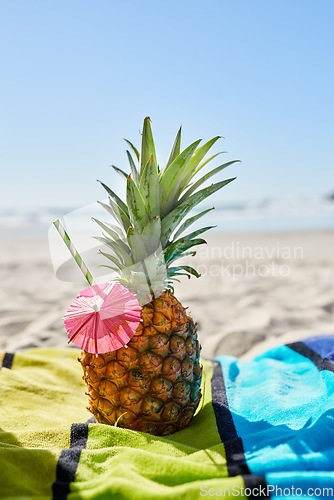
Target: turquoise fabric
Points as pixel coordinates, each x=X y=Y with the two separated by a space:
x=282 y=406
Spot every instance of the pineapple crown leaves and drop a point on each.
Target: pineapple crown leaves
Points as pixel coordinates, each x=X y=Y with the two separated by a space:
x=157 y=203
x=175 y=151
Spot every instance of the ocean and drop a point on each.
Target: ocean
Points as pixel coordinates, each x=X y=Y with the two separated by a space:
x=271 y=215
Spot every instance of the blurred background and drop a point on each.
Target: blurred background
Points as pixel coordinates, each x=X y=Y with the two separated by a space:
x=79 y=76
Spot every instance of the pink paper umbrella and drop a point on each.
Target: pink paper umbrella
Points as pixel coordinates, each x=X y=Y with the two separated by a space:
x=102 y=318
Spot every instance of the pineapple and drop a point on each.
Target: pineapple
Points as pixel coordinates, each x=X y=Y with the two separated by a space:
x=153 y=384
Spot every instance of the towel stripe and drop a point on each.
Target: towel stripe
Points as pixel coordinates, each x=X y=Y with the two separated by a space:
x=68 y=462
x=7 y=361
x=258 y=485
x=327 y=364
x=307 y=352
x=320 y=362
x=234 y=449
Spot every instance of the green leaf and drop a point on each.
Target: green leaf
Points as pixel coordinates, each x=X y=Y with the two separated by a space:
x=172 y=177
x=151 y=235
x=195 y=233
x=132 y=167
x=136 y=205
x=113 y=259
x=188 y=269
x=173 y=219
x=175 y=151
x=121 y=217
x=149 y=188
x=205 y=178
x=121 y=245
x=147 y=144
x=136 y=244
x=123 y=254
x=206 y=162
x=181 y=256
x=195 y=160
x=123 y=282
x=116 y=198
x=175 y=249
x=133 y=148
x=107 y=229
x=172 y=276
x=110 y=267
x=121 y=172
x=117 y=229
x=190 y=221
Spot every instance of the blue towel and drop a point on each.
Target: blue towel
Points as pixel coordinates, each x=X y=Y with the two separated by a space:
x=281 y=412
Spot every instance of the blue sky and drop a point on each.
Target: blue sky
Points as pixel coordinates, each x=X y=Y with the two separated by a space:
x=78 y=76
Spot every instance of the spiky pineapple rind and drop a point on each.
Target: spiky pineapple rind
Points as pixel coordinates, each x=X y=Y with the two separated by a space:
x=153 y=385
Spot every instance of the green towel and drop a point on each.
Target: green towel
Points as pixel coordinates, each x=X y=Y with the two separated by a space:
x=49 y=451
x=264 y=428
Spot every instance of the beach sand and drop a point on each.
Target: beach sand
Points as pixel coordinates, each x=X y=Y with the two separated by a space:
x=256 y=291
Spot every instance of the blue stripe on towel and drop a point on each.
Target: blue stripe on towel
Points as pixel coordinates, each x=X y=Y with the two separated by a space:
x=324 y=346
x=321 y=355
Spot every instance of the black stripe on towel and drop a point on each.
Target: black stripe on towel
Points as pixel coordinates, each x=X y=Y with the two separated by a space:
x=327 y=364
x=68 y=462
x=234 y=449
x=257 y=485
x=7 y=360
x=307 y=352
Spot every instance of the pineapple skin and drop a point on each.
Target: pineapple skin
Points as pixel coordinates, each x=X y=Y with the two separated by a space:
x=153 y=385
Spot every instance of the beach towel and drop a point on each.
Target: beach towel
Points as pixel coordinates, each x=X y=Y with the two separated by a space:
x=264 y=428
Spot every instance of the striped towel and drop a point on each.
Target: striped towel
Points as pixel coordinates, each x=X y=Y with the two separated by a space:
x=265 y=428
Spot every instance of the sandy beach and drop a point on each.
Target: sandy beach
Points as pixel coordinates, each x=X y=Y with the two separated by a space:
x=256 y=291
